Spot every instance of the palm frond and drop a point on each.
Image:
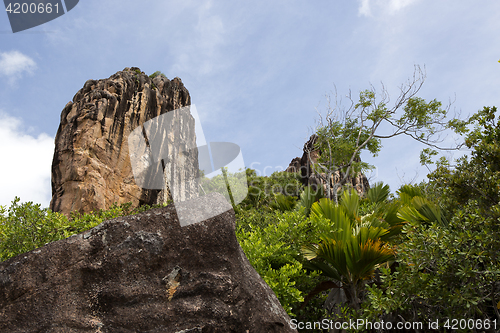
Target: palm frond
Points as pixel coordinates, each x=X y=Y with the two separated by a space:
x=420 y=210
x=407 y=192
x=326 y=208
x=411 y=214
x=370 y=255
x=309 y=196
x=378 y=193
x=350 y=202
x=429 y=210
x=283 y=202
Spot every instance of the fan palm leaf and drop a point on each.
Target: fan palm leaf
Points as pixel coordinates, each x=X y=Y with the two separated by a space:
x=283 y=202
x=378 y=193
x=353 y=247
x=328 y=209
x=350 y=203
x=310 y=196
x=420 y=210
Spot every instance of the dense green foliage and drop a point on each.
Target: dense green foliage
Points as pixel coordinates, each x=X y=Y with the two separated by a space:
x=448 y=264
x=443 y=272
x=429 y=252
x=274 y=251
x=26 y=226
x=351 y=247
x=444 y=234
x=476 y=177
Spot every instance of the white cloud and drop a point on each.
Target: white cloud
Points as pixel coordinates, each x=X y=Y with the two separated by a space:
x=203 y=53
x=396 y=5
x=26 y=163
x=364 y=8
x=390 y=7
x=13 y=64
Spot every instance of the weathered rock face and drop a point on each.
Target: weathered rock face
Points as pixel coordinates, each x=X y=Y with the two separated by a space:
x=142 y=273
x=295 y=165
x=310 y=156
x=91 y=167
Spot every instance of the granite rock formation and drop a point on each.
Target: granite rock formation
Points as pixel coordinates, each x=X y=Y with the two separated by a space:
x=303 y=164
x=91 y=167
x=141 y=273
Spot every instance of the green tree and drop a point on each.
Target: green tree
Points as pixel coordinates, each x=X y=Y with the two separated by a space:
x=26 y=226
x=477 y=176
x=345 y=133
x=448 y=264
x=442 y=272
x=264 y=193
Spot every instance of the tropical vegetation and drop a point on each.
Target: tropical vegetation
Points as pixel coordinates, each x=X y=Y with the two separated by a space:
x=427 y=252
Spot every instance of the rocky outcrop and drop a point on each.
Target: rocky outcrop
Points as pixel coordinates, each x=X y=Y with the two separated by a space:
x=91 y=167
x=141 y=273
x=295 y=165
x=303 y=164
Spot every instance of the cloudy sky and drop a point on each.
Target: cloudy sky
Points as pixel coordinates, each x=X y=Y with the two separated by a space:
x=257 y=71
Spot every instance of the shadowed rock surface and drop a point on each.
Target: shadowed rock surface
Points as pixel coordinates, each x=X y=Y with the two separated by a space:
x=141 y=273
x=91 y=167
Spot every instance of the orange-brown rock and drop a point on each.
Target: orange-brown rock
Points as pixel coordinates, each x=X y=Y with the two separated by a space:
x=91 y=167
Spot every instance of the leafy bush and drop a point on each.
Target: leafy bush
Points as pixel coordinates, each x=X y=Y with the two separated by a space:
x=273 y=249
x=234 y=185
x=279 y=191
x=26 y=226
x=262 y=191
x=449 y=271
x=283 y=202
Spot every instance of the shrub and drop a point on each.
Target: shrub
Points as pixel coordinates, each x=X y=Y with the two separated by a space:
x=26 y=226
x=155 y=74
x=273 y=249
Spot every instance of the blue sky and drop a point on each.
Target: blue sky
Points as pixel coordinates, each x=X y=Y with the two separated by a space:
x=257 y=71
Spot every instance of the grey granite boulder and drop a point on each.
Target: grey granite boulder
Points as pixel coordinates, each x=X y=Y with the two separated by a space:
x=141 y=273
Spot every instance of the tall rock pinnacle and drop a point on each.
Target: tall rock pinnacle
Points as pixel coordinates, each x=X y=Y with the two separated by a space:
x=91 y=168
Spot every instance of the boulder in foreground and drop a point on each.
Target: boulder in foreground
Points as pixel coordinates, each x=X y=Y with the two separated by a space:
x=141 y=273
